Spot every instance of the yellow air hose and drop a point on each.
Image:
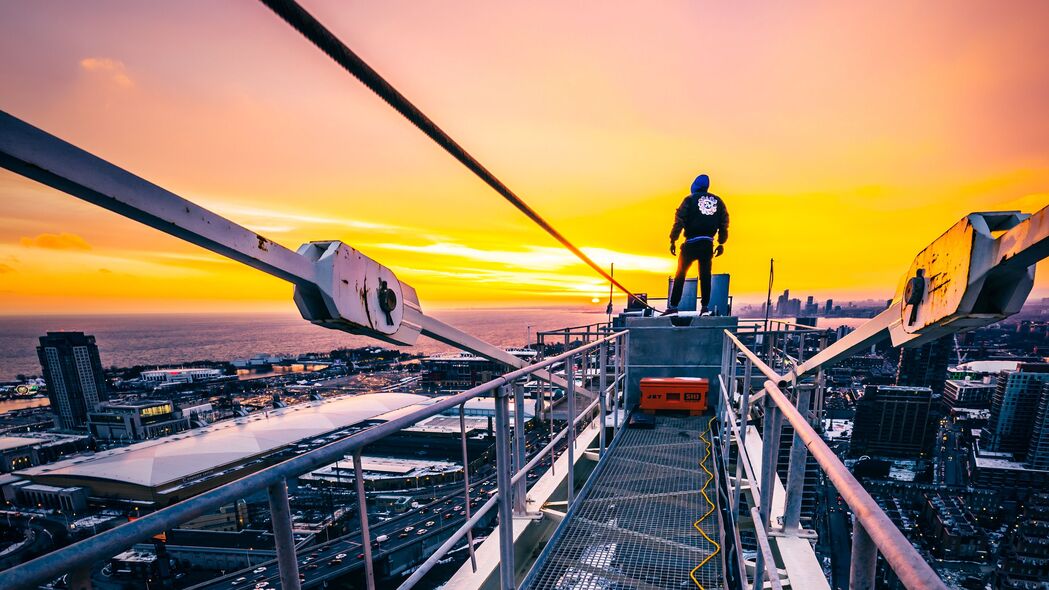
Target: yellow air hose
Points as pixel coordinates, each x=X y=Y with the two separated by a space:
x=703 y=490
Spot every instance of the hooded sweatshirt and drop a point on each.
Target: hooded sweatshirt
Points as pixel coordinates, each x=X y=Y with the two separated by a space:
x=701 y=214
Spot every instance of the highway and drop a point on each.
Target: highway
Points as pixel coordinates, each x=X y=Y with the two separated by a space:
x=429 y=524
x=949 y=456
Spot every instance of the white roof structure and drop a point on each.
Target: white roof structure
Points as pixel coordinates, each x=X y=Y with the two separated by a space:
x=987 y=366
x=14 y=442
x=176 y=458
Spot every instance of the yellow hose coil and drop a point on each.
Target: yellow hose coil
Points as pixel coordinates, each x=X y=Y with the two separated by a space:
x=703 y=490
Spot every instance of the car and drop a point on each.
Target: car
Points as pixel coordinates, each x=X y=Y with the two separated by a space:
x=457 y=507
x=340 y=556
x=449 y=515
x=262 y=584
x=402 y=535
x=382 y=538
x=311 y=566
x=240 y=580
x=430 y=523
x=409 y=529
x=258 y=570
x=421 y=532
x=336 y=561
x=360 y=556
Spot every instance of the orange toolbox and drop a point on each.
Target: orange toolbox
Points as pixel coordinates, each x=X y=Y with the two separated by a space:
x=674 y=393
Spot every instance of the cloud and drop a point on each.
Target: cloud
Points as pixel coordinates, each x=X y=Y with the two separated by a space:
x=252 y=215
x=539 y=257
x=112 y=68
x=62 y=241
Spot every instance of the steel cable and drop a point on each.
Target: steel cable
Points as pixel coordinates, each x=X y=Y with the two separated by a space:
x=306 y=24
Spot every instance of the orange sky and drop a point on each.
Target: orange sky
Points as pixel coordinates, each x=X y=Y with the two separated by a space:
x=843 y=136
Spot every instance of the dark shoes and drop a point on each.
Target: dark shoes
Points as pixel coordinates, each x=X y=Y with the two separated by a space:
x=669 y=311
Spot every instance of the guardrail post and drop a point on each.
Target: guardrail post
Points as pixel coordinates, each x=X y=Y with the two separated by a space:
x=617 y=358
x=863 y=568
x=767 y=559
x=80 y=579
x=801 y=349
x=744 y=412
x=602 y=386
x=362 y=510
x=626 y=371
x=520 y=489
x=466 y=484
x=502 y=470
x=280 y=515
x=570 y=395
x=770 y=435
x=796 y=469
x=820 y=387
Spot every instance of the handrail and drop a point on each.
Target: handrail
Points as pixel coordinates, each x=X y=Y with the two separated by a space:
x=766 y=370
x=909 y=566
x=104 y=545
x=797 y=327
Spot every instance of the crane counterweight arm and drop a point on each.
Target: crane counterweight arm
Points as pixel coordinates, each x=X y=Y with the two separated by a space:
x=336 y=286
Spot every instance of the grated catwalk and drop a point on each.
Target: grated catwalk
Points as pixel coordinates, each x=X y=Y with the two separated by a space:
x=634 y=527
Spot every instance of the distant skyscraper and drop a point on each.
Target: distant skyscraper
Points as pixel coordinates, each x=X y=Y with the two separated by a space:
x=73 y=372
x=926 y=365
x=1038 y=450
x=828 y=307
x=1014 y=407
x=892 y=420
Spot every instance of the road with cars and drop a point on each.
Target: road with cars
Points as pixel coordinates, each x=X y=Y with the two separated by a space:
x=430 y=524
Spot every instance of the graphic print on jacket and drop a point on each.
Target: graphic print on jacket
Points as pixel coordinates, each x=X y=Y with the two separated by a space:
x=708 y=205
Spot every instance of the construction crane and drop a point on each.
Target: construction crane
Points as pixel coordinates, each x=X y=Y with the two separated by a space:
x=336 y=286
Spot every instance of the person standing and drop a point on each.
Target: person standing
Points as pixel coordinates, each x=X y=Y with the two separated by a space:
x=703 y=217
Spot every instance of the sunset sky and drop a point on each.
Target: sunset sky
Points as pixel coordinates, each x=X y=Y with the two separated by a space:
x=844 y=137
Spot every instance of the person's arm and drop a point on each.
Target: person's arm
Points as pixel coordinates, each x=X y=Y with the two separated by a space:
x=679 y=224
x=723 y=228
x=722 y=231
x=679 y=220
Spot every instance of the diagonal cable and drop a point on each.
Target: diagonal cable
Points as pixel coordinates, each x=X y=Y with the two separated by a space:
x=305 y=23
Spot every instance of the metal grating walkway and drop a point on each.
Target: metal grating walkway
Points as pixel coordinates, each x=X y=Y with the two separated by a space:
x=634 y=527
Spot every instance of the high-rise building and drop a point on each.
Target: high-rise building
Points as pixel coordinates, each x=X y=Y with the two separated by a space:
x=1014 y=407
x=892 y=420
x=1025 y=553
x=73 y=372
x=828 y=307
x=1038 y=449
x=926 y=365
x=811 y=307
x=967 y=394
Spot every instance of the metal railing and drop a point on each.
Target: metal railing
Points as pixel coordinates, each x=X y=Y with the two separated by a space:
x=584 y=334
x=873 y=531
x=511 y=476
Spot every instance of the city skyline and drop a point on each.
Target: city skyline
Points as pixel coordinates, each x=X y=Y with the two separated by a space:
x=259 y=127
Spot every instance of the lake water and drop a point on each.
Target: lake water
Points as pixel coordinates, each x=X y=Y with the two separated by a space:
x=166 y=339
x=170 y=339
